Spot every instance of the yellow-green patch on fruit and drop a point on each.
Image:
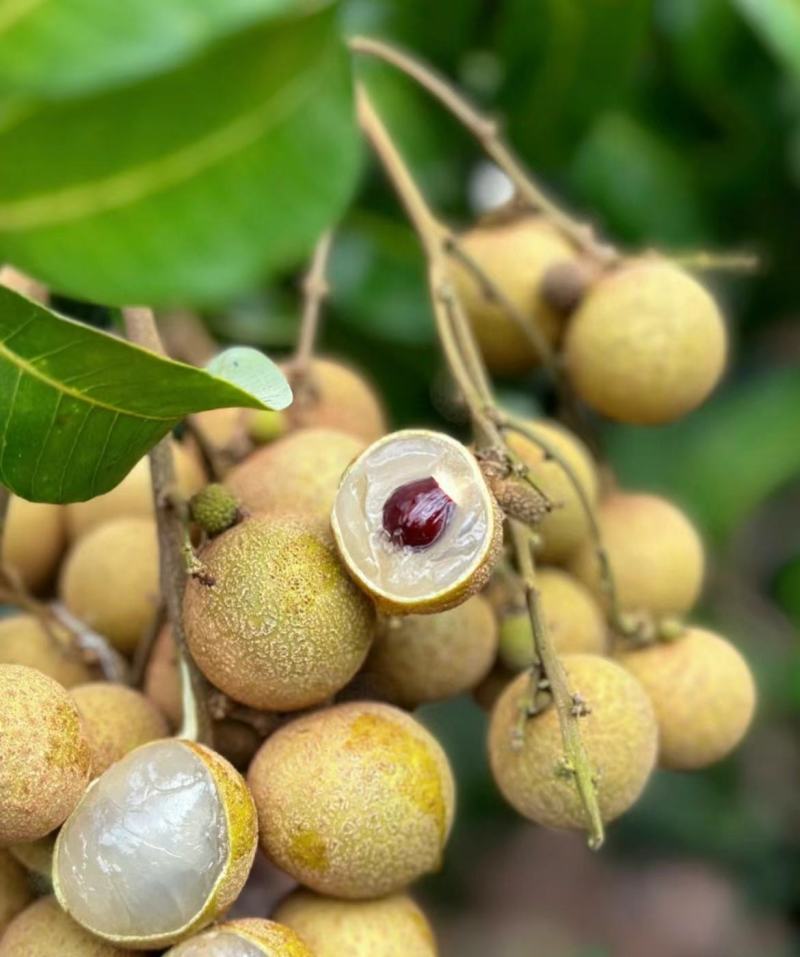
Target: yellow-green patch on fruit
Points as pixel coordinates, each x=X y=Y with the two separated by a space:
x=703 y=694
x=44 y=930
x=619 y=733
x=24 y=640
x=265 y=425
x=354 y=801
x=16 y=891
x=246 y=937
x=33 y=541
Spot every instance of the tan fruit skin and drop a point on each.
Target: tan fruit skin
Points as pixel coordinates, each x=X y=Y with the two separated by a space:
x=116 y=719
x=390 y=927
x=44 y=756
x=109 y=580
x=299 y=473
x=620 y=736
x=44 y=930
x=274 y=939
x=24 y=641
x=515 y=256
x=647 y=345
x=34 y=541
x=162 y=680
x=283 y=627
x=703 y=693
x=656 y=555
x=380 y=808
x=16 y=891
x=566 y=527
x=420 y=658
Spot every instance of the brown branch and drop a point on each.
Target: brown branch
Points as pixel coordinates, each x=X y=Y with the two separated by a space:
x=315 y=291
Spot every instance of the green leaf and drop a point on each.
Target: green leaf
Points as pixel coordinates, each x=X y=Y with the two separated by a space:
x=189 y=186
x=79 y=407
x=777 y=22
x=53 y=48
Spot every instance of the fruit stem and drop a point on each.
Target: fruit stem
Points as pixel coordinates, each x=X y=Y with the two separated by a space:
x=171 y=519
x=565 y=701
x=704 y=261
x=315 y=292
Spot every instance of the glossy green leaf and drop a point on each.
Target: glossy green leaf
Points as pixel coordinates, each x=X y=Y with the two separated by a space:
x=79 y=408
x=188 y=186
x=63 y=47
x=777 y=22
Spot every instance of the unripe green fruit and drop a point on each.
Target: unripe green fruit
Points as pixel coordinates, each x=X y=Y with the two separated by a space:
x=214 y=508
x=390 y=927
x=703 y=694
x=44 y=930
x=282 y=626
x=44 y=756
x=16 y=891
x=619 y=734
x=655 y=553
x=647 y=345
x=265 y=425
x=355 y=801
x=33 y=541
x=247 y=937
x=25 y=641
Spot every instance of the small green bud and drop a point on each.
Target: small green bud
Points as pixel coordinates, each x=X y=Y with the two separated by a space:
x=214 y=508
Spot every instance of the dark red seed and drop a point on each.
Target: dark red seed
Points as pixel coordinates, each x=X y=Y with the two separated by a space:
x=416 y=514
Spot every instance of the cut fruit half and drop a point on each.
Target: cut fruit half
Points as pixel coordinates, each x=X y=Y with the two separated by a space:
x=416 y=523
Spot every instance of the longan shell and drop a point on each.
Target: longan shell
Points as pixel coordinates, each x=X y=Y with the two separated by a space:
x=162 y=680
x=390 y=927
x=515 y=255
x=44 y=756
x=44 y=930
x=25 y=641
x=656 y=555
x=703 y=694
x=620 y=736
x=109 y=580
x=273 y=939
x=16 y=891
x=647 y=345
x=419 y=658
x=299 y=473
x=355 y=801
x=116 y=719
x=282 y=627
x=566 y=526
x=33 y=541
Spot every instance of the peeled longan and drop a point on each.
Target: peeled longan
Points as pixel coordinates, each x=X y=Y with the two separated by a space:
x=25 y=641
x=655 y=552
x=33 y=540
x=44 y=930
x=390 y=927
x=515 y=255
x=647 y=345
x=109 y=580
x=16 y=891
x=703 y=694
x=116 y=719
x=299 y=473
x=419 y=658
x=620 y=736
x=563 y=529
x=354 y=801
x=282 y=626
x=44 y=756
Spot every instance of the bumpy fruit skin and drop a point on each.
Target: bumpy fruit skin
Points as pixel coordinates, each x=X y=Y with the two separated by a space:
x=116 y=719
x=418 y=658
x=44 y=930
x=703 y=694
x=16 y=891
x=297 y=474
x=282 y=627
x=162 y=680
x=44 y=756
x=109 y=580
x=655 y=552
x=214 y=508
x=620 y=736
x=647 y=345
x=133 y=497
x=24 y=641
x=336 y=397
x=515 y=255
x=33 y=541
x=266 y=936
x=566 y=526
x=390 y=927
x=380 y=808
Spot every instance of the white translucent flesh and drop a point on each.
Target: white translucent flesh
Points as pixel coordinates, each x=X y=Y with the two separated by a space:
x=214 y=944
x=144 y=848
x=407 y=573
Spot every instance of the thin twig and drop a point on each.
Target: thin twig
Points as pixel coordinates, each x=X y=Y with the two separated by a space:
x=94 y=647
x=315 y=291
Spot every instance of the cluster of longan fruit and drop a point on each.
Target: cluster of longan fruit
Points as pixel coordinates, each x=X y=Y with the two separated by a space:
x=343 y=576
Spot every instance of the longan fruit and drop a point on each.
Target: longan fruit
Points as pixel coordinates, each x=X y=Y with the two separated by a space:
x=109 y=580
x=655 y=553
x=647 y=344
x=354 y=801
x=44 y=930
x=33 y=541
x=515 y=255
x=419 y=658
x=25 y=641
x=389 y=927
x=566 y=526
x=246 y=937
x=44 y=755
x=162 y=680
x=619 y=734
x=703 y=694
x=16 y=891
